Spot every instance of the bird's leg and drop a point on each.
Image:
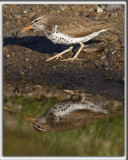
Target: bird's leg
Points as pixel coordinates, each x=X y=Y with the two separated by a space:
x=76 y=55
x=60 y=54
x=78 y=52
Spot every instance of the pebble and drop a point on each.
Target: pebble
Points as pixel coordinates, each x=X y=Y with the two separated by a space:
x=117 y=45
x=113 y=38
x=5 y=49
x=111 y=7
x=113 y=52
x=8 y=55
x=13 y=53
x=106 y=64
x=103 y=7
x=90 y=9
x=115 y=14
x=99 y=10
x=25 y=11
x=62 y=8
x=7 y=23
x=58 y=11
x=10 y=17
x=103 y=57
x=32 y=15
x=17 y=16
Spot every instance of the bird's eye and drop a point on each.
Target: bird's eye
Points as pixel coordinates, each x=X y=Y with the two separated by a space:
x=38 y=126
x=36 y=20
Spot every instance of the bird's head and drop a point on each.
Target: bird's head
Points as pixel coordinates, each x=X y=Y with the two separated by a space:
x=37 y=24
x=39 y=124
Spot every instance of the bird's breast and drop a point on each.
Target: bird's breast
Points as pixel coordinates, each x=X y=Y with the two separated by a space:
x=61 y=38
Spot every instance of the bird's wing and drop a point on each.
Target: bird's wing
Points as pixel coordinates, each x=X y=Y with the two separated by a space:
x=75 y=25
x=80 y=118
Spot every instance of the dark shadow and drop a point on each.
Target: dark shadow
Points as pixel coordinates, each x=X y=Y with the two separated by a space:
x=39 y=44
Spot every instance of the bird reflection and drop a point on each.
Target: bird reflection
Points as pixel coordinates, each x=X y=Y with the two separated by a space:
x=75 y=112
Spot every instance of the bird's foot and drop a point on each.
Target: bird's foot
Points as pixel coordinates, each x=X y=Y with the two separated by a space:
x=60 y=54
x=71 y=59
x=54 y=57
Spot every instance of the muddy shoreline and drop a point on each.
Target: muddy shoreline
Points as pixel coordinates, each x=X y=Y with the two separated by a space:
x=24 y=65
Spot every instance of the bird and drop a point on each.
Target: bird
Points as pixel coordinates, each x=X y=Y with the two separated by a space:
x=67 y=116
x=68 y=29
x=75 y=112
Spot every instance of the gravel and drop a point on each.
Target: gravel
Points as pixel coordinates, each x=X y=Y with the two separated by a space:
x=24 y=54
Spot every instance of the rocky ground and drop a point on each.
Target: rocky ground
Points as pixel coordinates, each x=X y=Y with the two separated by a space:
x=24 y=65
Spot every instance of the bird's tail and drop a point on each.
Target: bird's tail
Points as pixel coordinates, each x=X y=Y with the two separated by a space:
x=90 y=36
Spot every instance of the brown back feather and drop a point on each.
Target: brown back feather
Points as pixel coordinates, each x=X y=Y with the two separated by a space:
x=75 y=25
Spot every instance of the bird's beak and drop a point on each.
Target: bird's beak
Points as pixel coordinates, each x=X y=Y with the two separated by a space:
x=32 y=120
x=26 y=28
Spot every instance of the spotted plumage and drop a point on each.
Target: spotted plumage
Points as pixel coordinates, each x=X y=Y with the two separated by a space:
x=69 y=115
x=68 y=29
x=76 y=111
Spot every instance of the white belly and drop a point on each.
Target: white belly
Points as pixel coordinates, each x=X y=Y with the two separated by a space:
x=60 y=38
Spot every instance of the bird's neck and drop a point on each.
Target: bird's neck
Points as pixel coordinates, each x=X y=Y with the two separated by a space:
x=41 y=28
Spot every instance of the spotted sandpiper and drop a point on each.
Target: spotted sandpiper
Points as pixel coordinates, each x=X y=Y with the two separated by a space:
x=71 y=114
x=68 y=29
